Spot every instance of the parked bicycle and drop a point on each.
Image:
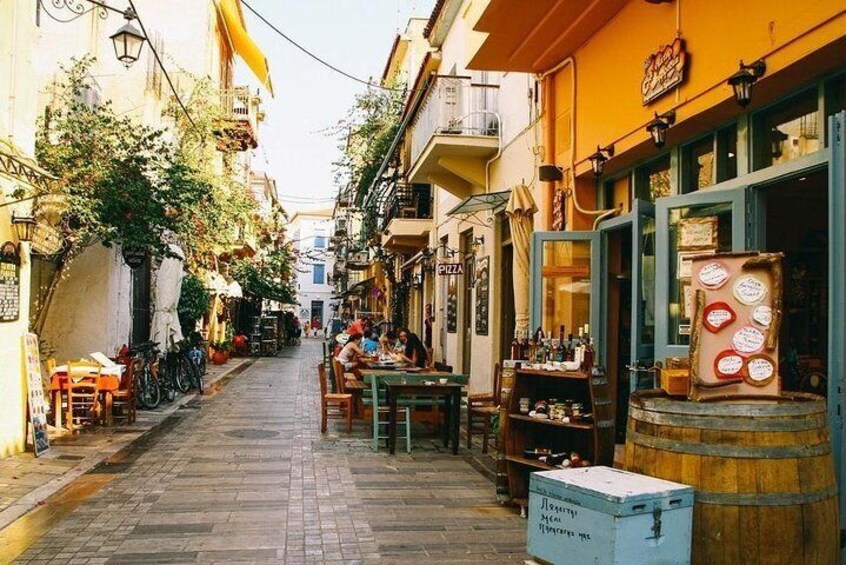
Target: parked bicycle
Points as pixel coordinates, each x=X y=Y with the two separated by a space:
x=148 y=392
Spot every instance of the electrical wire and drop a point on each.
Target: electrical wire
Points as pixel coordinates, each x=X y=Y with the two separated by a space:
x=162 y=67
x=316 y=57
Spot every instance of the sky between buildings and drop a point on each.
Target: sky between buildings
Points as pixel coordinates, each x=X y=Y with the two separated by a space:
x=354 y=35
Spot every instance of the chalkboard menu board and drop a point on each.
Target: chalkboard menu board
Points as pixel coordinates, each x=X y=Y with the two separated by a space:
x=452 y=305
x=483 y=284
x=10 y=283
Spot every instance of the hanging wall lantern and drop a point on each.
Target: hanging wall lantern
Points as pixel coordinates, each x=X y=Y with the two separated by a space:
x=24 y=227
x=658 y=127
x=777 y=139
x=128 y=40
x=743 y=80
x=598 y=159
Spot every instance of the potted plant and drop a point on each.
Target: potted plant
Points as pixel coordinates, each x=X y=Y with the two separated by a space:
x=221 y=352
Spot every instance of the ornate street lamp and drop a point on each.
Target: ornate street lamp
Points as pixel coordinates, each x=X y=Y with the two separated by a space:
x=741 y=81
x=598 y=159
x=24 y=227
x=658 y=127
x=128 y=40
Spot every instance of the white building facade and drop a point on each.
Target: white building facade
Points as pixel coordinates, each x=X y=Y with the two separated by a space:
x=310 y=231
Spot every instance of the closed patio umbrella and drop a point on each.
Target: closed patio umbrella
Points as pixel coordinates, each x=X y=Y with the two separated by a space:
x=520 y=209
x=165 y=327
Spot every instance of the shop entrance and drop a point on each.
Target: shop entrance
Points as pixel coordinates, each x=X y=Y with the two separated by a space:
x=795 y=214
x=617 y=313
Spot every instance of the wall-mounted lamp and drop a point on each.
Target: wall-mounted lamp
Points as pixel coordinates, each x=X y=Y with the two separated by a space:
x=741 y=81
x=658 y=127
x=550 y=173
x=24 y=227
x=598 y=159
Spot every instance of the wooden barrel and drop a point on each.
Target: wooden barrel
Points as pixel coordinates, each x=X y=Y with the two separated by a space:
x=763 y=473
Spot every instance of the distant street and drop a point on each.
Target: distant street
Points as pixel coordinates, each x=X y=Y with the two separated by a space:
x=245 y=476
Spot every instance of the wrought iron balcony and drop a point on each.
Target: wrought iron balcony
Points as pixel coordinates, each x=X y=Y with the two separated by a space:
x=455 y=113
x=240 y=116
x=406 y=201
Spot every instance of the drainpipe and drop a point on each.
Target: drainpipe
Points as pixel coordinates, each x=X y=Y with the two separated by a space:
x=549 y=141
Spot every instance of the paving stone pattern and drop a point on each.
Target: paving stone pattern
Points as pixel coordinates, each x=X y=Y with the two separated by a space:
x=245 y=476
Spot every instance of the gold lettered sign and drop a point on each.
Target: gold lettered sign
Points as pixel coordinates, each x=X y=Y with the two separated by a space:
x=663 y=70
x=10 y=283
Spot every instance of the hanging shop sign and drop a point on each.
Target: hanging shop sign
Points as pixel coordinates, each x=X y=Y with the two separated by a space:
x=35 y=395
x=446 y=269
x=558 y=221
x=10 y=283
x=46 y=240
x=663 y=70
x=483 y=285
x=134 y=256
x=452 y=306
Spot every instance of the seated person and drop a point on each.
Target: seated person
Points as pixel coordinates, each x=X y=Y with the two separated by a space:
x=368 y=344
x=350 y=356
x=415 y=352
x=386 y=352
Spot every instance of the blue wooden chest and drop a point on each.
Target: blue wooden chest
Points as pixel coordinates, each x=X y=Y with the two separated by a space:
x=605 y=516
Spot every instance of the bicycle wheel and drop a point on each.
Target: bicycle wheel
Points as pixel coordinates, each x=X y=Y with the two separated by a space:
x=148 y=390
x=181 y=374
x=195 y=376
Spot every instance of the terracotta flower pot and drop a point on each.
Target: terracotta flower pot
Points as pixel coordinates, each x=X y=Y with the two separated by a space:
x=219 y=357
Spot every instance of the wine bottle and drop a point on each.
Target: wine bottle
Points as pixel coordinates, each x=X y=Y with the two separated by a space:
x=515 y=348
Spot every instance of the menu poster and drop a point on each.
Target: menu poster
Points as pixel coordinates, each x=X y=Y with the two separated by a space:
x=735 y=313
x=483 y=284
x=35 y=395
x=452 y=305
x=10 y=283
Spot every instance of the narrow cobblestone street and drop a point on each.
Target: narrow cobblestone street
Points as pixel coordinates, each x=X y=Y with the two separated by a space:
x=245 y=476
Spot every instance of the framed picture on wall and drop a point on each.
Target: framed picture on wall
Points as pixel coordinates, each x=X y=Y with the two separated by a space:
x=452 y=305
x=483 y=283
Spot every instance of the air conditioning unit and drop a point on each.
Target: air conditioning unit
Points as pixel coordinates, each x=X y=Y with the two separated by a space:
x=340 y=226
x=360 y=257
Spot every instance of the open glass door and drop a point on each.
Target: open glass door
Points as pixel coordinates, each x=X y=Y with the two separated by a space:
x=724 y=211
x=565 y=269
x=643 y=297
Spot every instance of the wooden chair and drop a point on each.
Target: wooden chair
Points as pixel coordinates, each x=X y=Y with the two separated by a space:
x=123 y=399
x=83 y=394
x=484 y=405
x=341 y=403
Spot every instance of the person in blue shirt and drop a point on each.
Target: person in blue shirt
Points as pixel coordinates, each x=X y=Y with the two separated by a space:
x=368 y=344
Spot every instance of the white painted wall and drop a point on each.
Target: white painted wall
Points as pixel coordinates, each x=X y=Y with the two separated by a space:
x=17 y=125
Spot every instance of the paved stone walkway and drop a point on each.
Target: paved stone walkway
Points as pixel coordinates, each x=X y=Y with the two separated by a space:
x=245 y=476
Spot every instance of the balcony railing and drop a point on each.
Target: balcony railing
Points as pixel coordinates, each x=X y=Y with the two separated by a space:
x=454 y=106
x=240 y=117
x=406 y=201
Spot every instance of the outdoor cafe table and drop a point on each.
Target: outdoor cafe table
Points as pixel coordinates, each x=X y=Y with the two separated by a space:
x=377 y=377
x=108 y=383
x=451 y=392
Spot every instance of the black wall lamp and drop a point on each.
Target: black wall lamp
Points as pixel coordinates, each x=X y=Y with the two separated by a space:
x=658 y=127
x=741 y=81
x=550 y=173
x=128 y=40
x=777 y=139
x=598 y=159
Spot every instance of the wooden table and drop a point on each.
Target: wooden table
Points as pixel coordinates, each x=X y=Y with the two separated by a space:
x=377 y=377
x=451 y=392
x=59 y=384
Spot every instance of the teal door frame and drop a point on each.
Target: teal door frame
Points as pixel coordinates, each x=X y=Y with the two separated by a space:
x=536 y=288
x=837 y=296
x=737 y=198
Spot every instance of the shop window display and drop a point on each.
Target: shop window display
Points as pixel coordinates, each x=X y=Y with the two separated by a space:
x=652 y=181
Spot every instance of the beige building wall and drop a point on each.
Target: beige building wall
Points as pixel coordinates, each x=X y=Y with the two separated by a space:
x=514 y=164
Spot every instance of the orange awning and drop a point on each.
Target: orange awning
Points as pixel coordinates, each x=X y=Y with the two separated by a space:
x=242 y=43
